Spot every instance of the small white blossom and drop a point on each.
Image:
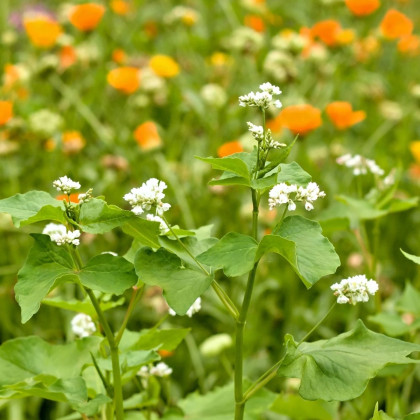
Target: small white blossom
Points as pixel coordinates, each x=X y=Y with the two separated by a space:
x=60 y=235
x=354 y=289
x=360 y=164
x=149 y=196
x=161 y=370
x=194 y=308
x=82 y=325
x=257 y=131
x=261 y=99
x=66 y=185
x=85 y=197
x=309 y=194
x=163 y=226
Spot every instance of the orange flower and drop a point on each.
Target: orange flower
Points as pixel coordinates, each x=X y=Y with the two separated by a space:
x=6 y=112
x=362 y=7
x=11 y=75
x=164 y=66
x=327 y=31
x=74 y=198
x=255 y=22
x=126 y=79
x=147 y=136
x=165 y=353
x=415 y=150
x=229 y=148
x=409 y=44
x=395 y=25
x=301 y=119
x=118 y=55
x=120 y=7
x=87 y=16
x=42 y=30
x=67 y=56
x=73 y=142
x=342 y=115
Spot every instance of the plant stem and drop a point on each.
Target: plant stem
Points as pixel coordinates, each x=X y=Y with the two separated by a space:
x=317 y=324
x=240 y=322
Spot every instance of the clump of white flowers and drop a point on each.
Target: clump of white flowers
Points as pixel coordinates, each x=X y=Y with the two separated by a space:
x=148 y=197
x=360 y=164
x=287 y=194
x=161 y=370
x=262 y=99
x=60 y=235
x=354 y=289
x=66 y=185
x=85 y=197
x=82 y=325
x=193 y=309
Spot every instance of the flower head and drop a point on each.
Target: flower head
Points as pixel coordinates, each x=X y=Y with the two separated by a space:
x=300 y=119
x=396 y=25
x=163 y=226
x=125 y=79
x=360 y=164
x=82 y=325
x=262 y=99
x=148 y=197
x=60 y=235
x=342 y=115
x=87 y=16
x=161 y=370
x=147 y=136
x=65 y=184
x=42 y=30
x=362 y=7
x=354 y=289
x=6 y=112
x=229 y=148
x=164 y=66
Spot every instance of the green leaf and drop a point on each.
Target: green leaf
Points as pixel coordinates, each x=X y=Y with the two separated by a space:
x=31 y=207
x=233 y=163
x=234 y=253
x=96 y=216
x=130 y=360
x=411 y=257
x=361 y=209
x=227 y=178
x=409 y=301
x=109 y=274
x=145 y=232
x=182 y=284
x=33 y=367
x=46 y=264
x=295 y=407
x=301 y=243
x=397 y=205
x=392 y=324
x=153 y=339
x=292 y=173
x=380 y=415
x=84 y=306
x=340 y=368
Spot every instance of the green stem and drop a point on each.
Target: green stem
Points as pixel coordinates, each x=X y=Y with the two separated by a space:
x=317 y=324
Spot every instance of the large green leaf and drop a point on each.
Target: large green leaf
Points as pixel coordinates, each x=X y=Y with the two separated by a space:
x=234 y=253
x=409 y=301
x=392 y=324
x=301 y=243
x=233 y=163
x=340 y=368
x=31 y=207
x=181 y=282
x=295 y=407
x=109 y=274
x=145 y=232
x=33 y=367
x=360 y=209
x=292 y=173
x=46 y=264
x=96 y=216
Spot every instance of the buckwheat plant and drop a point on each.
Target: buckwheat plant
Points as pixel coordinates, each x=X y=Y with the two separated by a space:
x=183 y=263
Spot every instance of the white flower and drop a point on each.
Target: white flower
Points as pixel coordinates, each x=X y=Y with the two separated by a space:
x=309 y=194
x=161 y=370
x=194 y=308
x=163 y=226
x=65 y=184
x=257 y=131
x=149 y=196
x=85 y=197
x=82 y=325
x=60 y=235
x=261 y=99
x=354 y=289
x=360 y=164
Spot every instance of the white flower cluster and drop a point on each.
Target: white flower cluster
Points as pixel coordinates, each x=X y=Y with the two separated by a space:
x=66 y=185
x=354 y=289
x=360 y=164
x=288 y=194
x=85 y=197
x=193 y=309
x=163 y=226
x=257 y=131
x=82 y=325
x=161 y=370
x=262 y=99
x=60 y=235
x=149 y=196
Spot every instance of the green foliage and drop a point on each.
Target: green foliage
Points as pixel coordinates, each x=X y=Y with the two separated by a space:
x=340 y=368
x=144 y=232
x=301 y=243
x=411 y=257
x=32 y=207
x=182 y=283
x=234 y=253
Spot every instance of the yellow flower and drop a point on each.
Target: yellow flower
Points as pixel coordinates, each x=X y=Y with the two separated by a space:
x=164 y=66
